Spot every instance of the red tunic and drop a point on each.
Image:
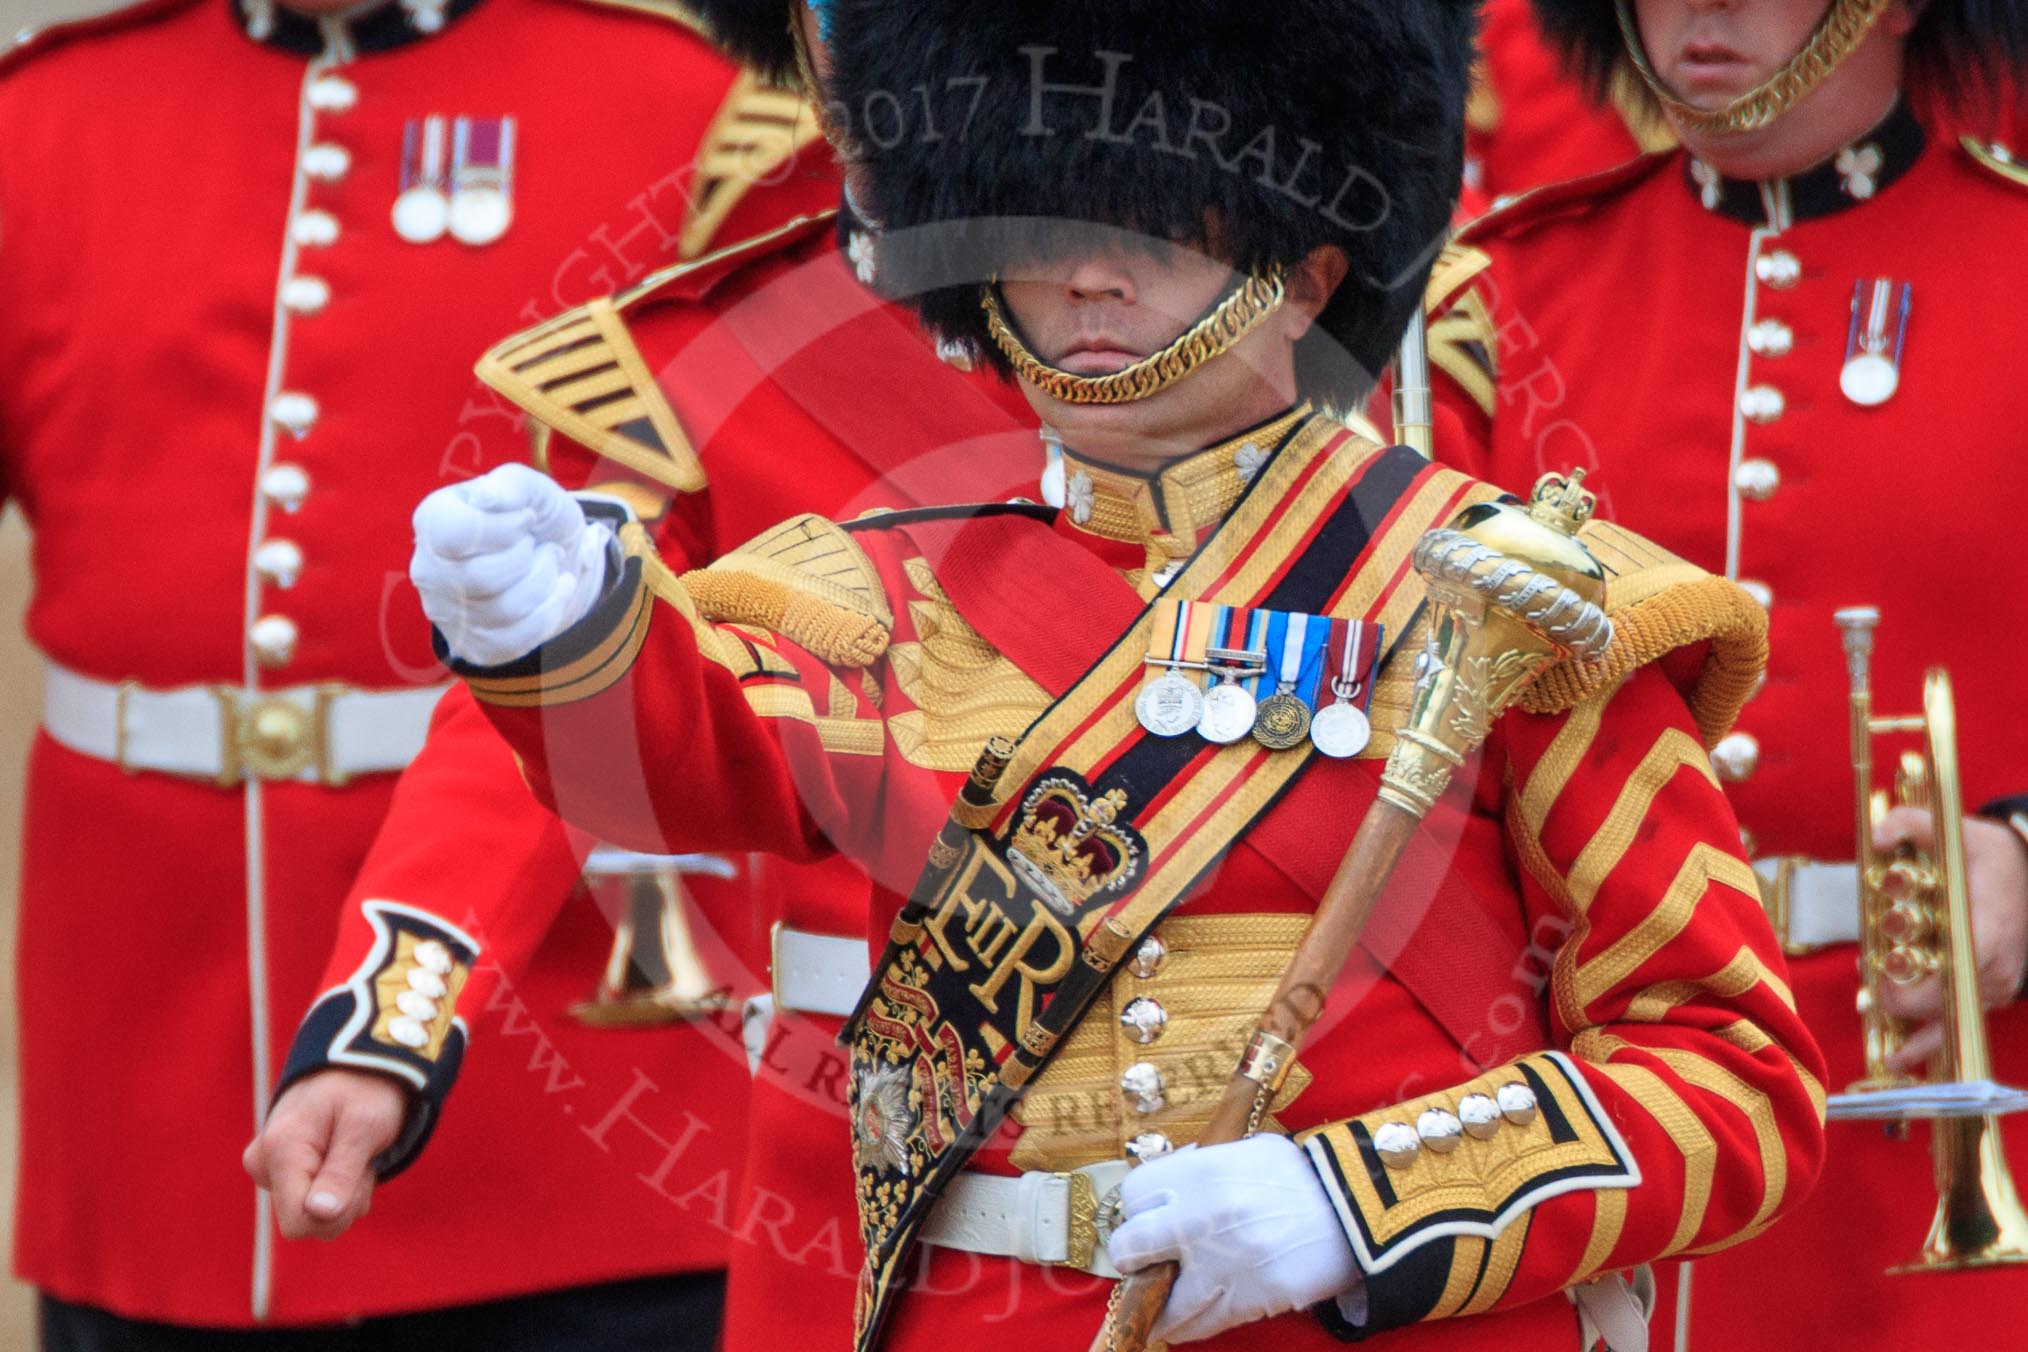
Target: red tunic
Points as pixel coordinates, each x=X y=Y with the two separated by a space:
x=805 y=758
x=1691 y=359
x=195 y=224
x=761 y=357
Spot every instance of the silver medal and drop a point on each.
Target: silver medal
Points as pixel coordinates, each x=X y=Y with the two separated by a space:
x=479 y=215
x=1170 y=705
x=1869 y=379
x=421 y=215
x=1228 y=713
x=1340 y=731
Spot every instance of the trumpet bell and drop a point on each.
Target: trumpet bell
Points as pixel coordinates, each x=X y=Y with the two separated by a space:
x=1979 y=1218
x=653 y=973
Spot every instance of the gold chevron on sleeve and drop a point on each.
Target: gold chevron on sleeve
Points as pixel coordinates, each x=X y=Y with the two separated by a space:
x=1704 y=865
x=1673 y=751
x=1464 y=346
x=758 y=130
x=1736 y=978
x=1707 y=1075
x=1501 y=1261
x=1684 y=1127
x=580 y=374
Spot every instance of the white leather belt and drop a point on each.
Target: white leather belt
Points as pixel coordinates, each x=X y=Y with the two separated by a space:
x=315 y=734
x=1059 y=1219
x=1810 y=904
x=809 y=973
x=818 y=973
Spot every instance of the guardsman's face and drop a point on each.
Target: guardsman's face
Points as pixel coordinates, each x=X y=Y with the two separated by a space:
x=1104 y=309
x=1711 y=51
x=1099 y=304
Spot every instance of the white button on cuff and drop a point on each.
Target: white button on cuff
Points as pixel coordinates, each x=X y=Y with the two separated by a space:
x=274 y=640
x=408 y=1032
x=285 y=486
x=432 y=956
x=306 y=295
x=422 y=980
x=327 y=163
x=417 y=1006
x=1757 y=479
x=1736 y=757
x=314 y=229
x=279 y=562
x=295 y=412
x=332 y=94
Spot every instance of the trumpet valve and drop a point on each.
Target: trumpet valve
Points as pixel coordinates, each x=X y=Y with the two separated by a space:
x=1907 y=879
x=1908 y=923
x=1905 y=966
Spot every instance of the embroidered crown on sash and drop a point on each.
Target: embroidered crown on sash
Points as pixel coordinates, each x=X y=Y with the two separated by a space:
x=1070 y=847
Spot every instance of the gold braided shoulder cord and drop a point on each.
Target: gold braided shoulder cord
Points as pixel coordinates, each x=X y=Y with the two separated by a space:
x=1214 y=335
x=1846 y=25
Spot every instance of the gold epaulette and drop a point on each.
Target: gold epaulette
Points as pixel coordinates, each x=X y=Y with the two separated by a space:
x=565 y=372
x=758 y=129
x=1997 y=159
x=1463 y=343
x=1659 y=603
x=807 y=580
x=580 y=374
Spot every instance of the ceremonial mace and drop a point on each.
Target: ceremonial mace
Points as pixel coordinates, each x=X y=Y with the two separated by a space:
x=1515 y=592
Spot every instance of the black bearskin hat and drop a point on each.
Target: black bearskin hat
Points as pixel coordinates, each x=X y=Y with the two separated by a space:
x=1962 y=51
x=754 y=32
x=1258 y=134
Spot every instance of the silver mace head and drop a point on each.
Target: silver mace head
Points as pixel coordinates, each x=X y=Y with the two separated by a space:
x=1516 y=592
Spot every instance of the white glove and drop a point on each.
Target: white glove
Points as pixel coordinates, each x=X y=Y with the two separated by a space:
x=506 y=562
x=1251 y=1227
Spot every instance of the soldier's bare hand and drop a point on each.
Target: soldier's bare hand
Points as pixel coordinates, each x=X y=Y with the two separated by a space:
x=315 y=1154
x=1996 y=862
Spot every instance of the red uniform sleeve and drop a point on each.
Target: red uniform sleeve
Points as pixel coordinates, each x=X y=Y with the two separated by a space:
x=1682 y=1109
x=467 y=861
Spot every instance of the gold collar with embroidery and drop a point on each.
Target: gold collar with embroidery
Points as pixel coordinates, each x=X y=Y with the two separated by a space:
x=1180 y=502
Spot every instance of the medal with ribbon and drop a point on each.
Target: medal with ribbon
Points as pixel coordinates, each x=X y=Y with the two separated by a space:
x=1872 y=370
x=1171 y=703
x=1296 y=646
x=482 y=179
x=1340 y=728
x=1229 y=706
x=422 y=211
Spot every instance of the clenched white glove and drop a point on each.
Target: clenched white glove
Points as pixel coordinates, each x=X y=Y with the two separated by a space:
x=1251 y=1227
x=506 y=562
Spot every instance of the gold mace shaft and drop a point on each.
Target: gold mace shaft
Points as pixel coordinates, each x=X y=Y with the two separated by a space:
x=1514 y=593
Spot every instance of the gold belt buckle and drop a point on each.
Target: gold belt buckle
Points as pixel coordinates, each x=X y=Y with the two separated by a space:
x=272 y=737
x=1082 y=1240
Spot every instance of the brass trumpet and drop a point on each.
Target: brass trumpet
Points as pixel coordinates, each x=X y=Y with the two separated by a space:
x=654 y=973
x=1916 y=921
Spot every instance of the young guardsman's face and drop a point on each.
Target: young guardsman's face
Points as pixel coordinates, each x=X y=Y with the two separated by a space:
x=1709 y=52
x=1114 y=300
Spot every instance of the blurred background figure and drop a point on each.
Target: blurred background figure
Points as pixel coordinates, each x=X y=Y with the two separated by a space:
x=250 y=252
